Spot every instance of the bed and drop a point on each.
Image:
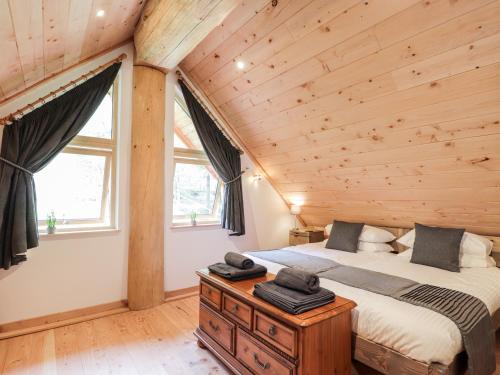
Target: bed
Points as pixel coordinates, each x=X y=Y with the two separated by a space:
x=395 y=337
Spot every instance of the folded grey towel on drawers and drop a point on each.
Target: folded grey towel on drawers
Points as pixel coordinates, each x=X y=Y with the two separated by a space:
x=292 y=301
x=306 y=282
x=237 y=260
x=235 y=274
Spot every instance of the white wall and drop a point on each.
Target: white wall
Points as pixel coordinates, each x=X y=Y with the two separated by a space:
x=267 y=220
x=70 y=271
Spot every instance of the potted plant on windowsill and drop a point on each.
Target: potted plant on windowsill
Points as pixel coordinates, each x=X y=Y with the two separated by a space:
x=193 y=218
x=51 y=223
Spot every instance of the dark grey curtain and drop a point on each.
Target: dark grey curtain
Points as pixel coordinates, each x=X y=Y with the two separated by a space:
x=225 y=159
x=28 y=145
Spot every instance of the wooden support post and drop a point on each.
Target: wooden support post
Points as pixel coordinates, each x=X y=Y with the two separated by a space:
x=145 y=262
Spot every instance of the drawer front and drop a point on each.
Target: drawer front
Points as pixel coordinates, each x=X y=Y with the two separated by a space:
x=237 y=310
x=276 y=333
x=217 y=327
x=298 y=240
x=258 y=358
x=316 y=237
x=211 y=295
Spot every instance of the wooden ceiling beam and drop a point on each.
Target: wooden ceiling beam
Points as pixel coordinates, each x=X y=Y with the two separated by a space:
x=169 y=30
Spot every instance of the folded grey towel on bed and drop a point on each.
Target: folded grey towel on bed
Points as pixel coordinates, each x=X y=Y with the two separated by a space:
x=235 y=274
x=292 y=301
x=237 y=260
x=302 y=281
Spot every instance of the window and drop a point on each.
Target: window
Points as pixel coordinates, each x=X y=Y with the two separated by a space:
x=78 y=185
x=197 y=188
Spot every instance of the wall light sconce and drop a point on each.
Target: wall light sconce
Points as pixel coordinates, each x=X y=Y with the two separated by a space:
x=257 y=177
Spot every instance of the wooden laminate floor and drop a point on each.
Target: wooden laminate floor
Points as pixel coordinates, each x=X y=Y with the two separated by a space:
x=157 y=341
x=148 y=342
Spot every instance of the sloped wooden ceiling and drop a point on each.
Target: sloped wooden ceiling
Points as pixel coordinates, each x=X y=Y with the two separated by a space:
x=39 y=38
x=383 y=111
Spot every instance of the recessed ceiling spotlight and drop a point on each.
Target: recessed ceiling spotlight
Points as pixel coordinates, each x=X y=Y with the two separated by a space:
x=240 y=64
x=100 y=13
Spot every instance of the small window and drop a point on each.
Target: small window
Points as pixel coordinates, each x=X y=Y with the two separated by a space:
x=78 y=186
x=197 y=187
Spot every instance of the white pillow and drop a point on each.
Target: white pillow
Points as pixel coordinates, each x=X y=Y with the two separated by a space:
x=371 y=247
x=472 y=244
x=374 y=234
x=407 y=239
x=374 y=247
x=465 y=260
x=370 y=234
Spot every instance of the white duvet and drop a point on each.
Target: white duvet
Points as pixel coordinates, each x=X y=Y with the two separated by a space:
x=417 y=332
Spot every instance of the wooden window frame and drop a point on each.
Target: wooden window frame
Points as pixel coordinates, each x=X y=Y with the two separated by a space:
x=195 y=157
x=104 y=147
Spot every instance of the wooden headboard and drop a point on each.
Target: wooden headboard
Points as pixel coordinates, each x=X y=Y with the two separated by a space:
x=398 y=232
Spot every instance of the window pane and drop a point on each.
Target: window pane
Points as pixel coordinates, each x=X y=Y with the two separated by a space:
x=178 y=142
x=100 y=124
x=195 y=189
x=185 y=129
x=71 y=186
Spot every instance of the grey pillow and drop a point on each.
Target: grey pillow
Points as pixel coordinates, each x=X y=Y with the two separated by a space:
x=437 y=247
x=344 y=236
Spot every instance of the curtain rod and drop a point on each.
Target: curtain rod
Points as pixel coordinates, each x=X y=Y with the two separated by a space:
x=193 y=90
x=7 y=120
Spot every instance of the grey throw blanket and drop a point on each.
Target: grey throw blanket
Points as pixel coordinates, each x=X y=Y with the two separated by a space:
x=305 y=282
x=372 y=281
x=468 y=312
x=292 y=301
x=299 y=261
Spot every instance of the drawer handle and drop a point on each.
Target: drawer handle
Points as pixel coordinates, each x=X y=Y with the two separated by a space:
x=263 y=366
x=272 y=330
x=234 y=309
x=213 y=326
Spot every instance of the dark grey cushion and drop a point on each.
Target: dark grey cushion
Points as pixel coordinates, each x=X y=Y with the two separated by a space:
x=344 y=236
x=437 y=247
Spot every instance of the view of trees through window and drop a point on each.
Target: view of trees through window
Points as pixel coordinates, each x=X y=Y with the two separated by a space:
x=76 y=186
x=197 y=188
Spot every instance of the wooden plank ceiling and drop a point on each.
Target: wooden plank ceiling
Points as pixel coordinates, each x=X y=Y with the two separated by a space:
x=40 y=38
x=383 y=111
x=169 y=30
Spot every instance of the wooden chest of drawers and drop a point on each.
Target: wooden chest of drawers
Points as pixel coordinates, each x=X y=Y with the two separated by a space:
x=251 y=336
